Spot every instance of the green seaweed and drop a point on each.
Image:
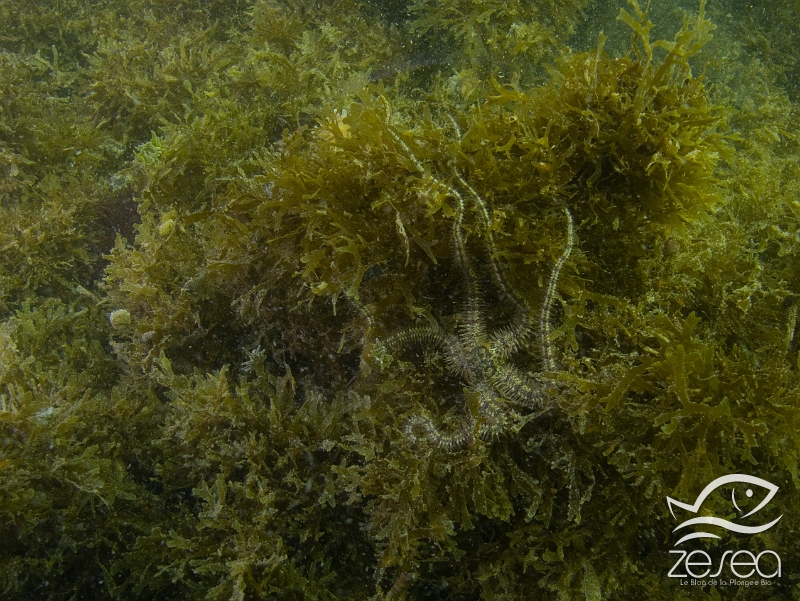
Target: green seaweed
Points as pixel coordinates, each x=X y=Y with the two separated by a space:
x=291 y=310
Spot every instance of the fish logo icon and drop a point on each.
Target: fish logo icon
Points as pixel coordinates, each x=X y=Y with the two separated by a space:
x=723 y=523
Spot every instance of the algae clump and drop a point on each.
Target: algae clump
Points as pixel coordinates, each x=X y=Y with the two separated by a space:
x=297 y=302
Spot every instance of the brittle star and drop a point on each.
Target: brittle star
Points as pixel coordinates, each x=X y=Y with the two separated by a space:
x=479 y=357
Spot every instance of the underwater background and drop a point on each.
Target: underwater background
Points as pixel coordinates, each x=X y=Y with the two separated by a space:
x=437 y=299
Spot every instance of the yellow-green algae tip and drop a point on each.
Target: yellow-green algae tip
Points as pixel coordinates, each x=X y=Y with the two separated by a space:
x=427 y=300
x=119 y=318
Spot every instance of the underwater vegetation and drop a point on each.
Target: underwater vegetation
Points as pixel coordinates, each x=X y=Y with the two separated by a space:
x=301 y=302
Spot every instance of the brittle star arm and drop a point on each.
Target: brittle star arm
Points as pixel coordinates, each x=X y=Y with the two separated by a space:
x=508 y=340
x=544 y=320
x=516 y=386
x=473 y=327
x=421 y=429
x=424 y=337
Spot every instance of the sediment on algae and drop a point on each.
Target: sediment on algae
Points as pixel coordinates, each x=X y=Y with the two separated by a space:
x=293 y=309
